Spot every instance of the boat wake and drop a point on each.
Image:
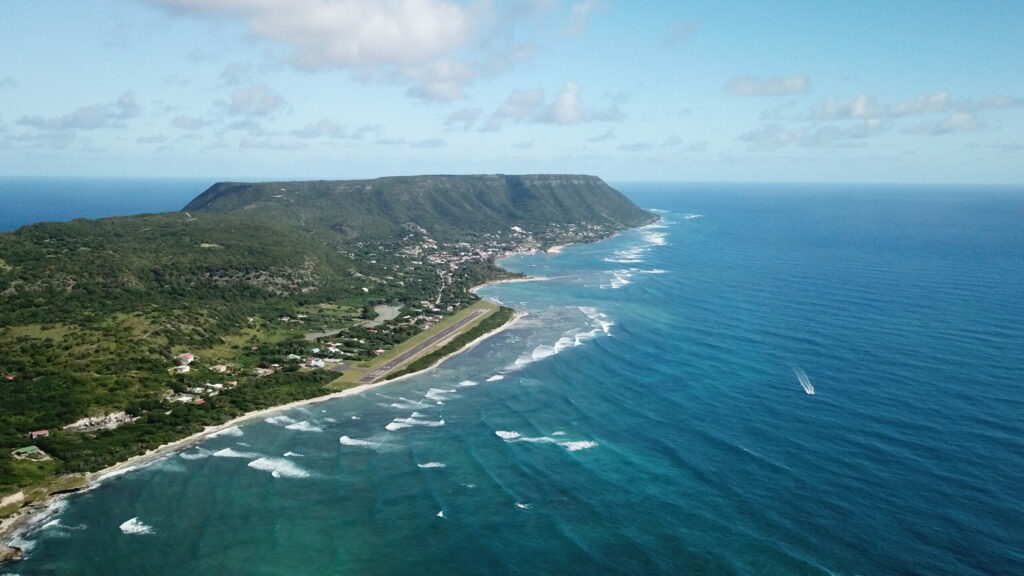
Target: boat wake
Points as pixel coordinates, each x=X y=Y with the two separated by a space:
x=804 y=380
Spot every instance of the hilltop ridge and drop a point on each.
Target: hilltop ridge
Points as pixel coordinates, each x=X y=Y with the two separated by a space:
x=445 y=206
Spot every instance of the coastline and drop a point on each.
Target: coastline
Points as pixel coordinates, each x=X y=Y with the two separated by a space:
x=474 y=289
x=27 y=520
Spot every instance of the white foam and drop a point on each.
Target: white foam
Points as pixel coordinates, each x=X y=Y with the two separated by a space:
x=578 y=445
x=232 y=431
x=804 y=380
x=304 y=426
x=279 y=467
x=692 y=216
x=355 y=418
x=509 y=436
x=361 y=442
x=440 y=514
x=232 y=453
x=415 y=419
x=406 y=404
x=199 y=454
x=136 y=527
x=559 y=433
x=655 y=238
x=522 y=506
x=438 y=394
x=541 y=352
x=495 y=378
x=291 y=454
x=467 y=383
x=619 y=278
x=279 y=420
x=116 y=473
x=432 y=465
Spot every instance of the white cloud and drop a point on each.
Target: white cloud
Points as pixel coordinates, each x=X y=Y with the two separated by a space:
x=236 y=73
x=673 y=140
x=95 y=116
x=770 y=136
x=442 y=80
x=425 y=42
x=465 y=117
x=864 y=107
x=323 y=128
x=778 y=86
x=955 y=122
x=1000 y=103
x=255 y=100
x=566 y=108
x=525 y=145
x=189 y=123
x=636 y=147
x=606 y=135
x=579 y=16
x=269 y=143
x=428 y=143
x=773 y=136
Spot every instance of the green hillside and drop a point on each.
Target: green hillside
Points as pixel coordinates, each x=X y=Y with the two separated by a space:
x=446 y=207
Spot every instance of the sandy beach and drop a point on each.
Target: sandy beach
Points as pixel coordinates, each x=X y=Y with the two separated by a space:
x=22 y=521
x=474 y=289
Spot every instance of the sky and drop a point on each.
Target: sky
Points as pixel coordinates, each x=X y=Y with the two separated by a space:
x=781 y=91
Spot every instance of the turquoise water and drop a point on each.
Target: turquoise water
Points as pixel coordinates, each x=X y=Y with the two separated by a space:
x=646 y=416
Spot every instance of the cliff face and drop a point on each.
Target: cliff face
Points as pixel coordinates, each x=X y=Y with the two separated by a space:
x=445 y=206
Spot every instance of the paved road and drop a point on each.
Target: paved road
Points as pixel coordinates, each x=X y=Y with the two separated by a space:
x=421 y=347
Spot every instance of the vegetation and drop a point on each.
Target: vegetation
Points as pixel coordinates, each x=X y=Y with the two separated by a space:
x=249 y=279
x=492 y=322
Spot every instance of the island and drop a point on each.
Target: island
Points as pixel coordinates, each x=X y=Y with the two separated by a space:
x=122 y=335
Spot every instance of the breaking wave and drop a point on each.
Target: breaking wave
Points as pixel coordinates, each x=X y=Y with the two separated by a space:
x=406 y=404
x=572 y=446
x=415 y=419
x=304 y=426
x=232 y=453
x=279 y=467
x=280 y=420
x=199 y=454
x=372 y=443
x=136 y=527
x=438 y=394
x=432 y=465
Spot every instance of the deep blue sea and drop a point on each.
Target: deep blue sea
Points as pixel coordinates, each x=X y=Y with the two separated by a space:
x=647 y=417
x=30 y=200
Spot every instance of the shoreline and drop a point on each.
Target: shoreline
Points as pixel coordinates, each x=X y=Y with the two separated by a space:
x=20 y=523
x=478 y=287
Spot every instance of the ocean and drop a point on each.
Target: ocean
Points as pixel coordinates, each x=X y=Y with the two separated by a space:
x=651 y=414
x=30 y=200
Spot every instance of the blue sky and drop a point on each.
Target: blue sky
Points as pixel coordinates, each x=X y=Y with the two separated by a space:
x=725 y=91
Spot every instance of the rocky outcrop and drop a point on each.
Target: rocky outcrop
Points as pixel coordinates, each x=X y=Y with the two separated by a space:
x=8 y=553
